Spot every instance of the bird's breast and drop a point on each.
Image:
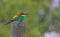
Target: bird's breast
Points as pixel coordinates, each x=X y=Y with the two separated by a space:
x=20 y=19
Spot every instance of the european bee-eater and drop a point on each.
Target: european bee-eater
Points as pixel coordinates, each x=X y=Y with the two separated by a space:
x=18 y=18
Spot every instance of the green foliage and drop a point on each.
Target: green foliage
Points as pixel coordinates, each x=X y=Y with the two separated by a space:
x=9 y=8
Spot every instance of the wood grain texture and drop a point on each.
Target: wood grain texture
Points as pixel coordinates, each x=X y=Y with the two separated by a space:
x=17 y=29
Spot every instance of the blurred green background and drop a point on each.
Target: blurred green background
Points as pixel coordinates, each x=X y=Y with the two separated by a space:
x=9 y=8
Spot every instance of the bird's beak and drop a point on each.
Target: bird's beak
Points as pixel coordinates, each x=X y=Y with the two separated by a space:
x=24 y=15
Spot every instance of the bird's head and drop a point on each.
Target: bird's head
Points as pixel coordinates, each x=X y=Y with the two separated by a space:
x=22 y=14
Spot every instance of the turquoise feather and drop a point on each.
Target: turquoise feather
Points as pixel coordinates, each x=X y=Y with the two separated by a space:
x=20 y=19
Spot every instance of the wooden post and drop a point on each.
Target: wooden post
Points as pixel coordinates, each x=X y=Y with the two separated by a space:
x=17 y=29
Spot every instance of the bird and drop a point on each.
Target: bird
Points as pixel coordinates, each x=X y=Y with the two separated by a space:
x=17 y=18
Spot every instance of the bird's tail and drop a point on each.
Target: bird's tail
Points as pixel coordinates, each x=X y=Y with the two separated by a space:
x=9 y=22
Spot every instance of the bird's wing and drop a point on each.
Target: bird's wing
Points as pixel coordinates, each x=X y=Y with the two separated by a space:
x=15 y=17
